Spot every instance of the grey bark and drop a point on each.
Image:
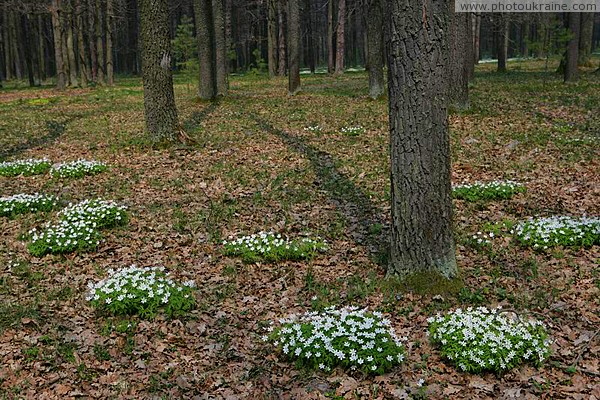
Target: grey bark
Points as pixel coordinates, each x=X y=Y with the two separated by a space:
x=476 y=37
x=207 y=88
x=92 y=40
x=110 y=76
x=7 y=47
x=40 y=48
x=503 y=42
x=460 y=58
x=340 y=39
x=61 y=76
x=585 y=39
x=159 y=98
x=281 y=40
x=220 y=47
x=83 y=63
x=375 y=47
x=571 y=72
x=16 y=55
x=330 y=50
x=101 y=72
x=272 y=37
x=294 y=47
x=71 y=47
x=417 y=57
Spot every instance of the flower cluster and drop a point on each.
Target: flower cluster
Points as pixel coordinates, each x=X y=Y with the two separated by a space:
x=496 y=190
x=352 y=130
x=481 y=239
x=78 y=228
x=142 y=291
x=350 y=337
x=479 y=339
x=26 y=203
x=78 y=169
x=272 y=247
x=314 y=129
x=541 y=233
x=25 y=167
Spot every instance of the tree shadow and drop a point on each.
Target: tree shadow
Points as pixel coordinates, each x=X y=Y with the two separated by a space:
x=54 y=128
x=368 y=225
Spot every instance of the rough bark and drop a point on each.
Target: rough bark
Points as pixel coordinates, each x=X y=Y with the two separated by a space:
x=571 y=72
x=110 y=77
x=101 y=72
x=294 y=46
x=83 y=67
x=61 y=77
x=585 y=39
x=375 y=47
x=26 y=47
x=272 y=37
x=476 y=37
x=310 y=36
x=159 y=99
x=70 y=47
x=92 y=40
x=282 y=46
x=417 y=54
x=220 y=47
x=340 y=38
x=15 y=52
x=330 y=49
x=460 y=59
x=207 y=88
x=503 y=42
x=41 y=48
x=6 y=41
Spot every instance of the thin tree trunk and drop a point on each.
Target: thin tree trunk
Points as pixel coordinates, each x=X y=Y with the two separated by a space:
x=421 y=234
x=375 y=47
x=272 y=38
x=571 y=72
x=159 y=98
x=311 y=36
x=26 y=47
x=330 y=49
x=220 y=48
x=110 y=78
x=477 y=38
x=460 y=44
x=294 y=40
x=585 y=39
x=83 y=67
x=340 y=41
x=228 y=31
x=282 y=47
x=14 y=44
x=56 y=12
x=207 y=89
x=71 y=47
x=41 y=49
x=503 y=42
x=92 y=40
x=100 y=77
x=7 y=42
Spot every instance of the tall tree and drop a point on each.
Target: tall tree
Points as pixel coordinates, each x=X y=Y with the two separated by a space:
x=110 y=77
x=571 y=73
x=91 y=5
x=207 y=88
x=101 y=72
x=272 y=37
x=460 y=58
x=83 y=60
x=502 y=43
x=281 y=40
x=330 y=48
x=41 y=48
x=375 y=47
x=70 y=45
x=159 y=98
x=340 y=38
x=417 y=40
x=16 y=51
x=476 y=37
x=585 y=39
x=220 y=47
x=294 y=40
x=61 y=76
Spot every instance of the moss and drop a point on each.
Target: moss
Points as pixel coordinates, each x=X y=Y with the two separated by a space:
x=426 y=283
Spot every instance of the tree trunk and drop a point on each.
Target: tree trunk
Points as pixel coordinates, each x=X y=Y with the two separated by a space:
x=340 y=41
x=7 y=47
x=110 y=77
x=83 y=67
x=571 y=73
x=220 y=48
x=282 y=47
x=27 y=47
x=525 y=27
x=159 y=99
x=100 y=74
x=207 y=89
x=310 y=36
x=585 y=39
x=375 y=47
x=476 y=38
x=421 y=237
x=460 y=46
x=294 y=46
x=92 y=40
x=41 y=49
x=272 y=38
x=330 y=49
x=15 y=51
x=503 y=42
x=61 y=76
x=70 y=47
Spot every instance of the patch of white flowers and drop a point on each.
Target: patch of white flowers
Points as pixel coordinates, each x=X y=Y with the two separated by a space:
x=480 y=339
x=78 y=228
x=25 y=167
x=271 y=246
x=314 y=128
x=352 y=130
x=541 y=233
x=26 y=203
x=78 y=169
x=142 y=291
x=487 y=190
x=482 y=239
x=350 y=337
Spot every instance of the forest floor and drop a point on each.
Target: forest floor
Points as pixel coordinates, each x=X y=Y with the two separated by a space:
x=255 y=167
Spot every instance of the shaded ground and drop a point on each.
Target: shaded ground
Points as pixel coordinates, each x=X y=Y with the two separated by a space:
x=255 y=167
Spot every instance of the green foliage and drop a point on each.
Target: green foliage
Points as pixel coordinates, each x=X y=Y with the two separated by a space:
x=25 y=167
x=78 y=169
x=348 y=337
x=272 y=247
x=260 y=64
x=497 y=190
x=185 y=47
x=478 y=340
x=542 y=233
x=141 y=291
x=26 y=203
